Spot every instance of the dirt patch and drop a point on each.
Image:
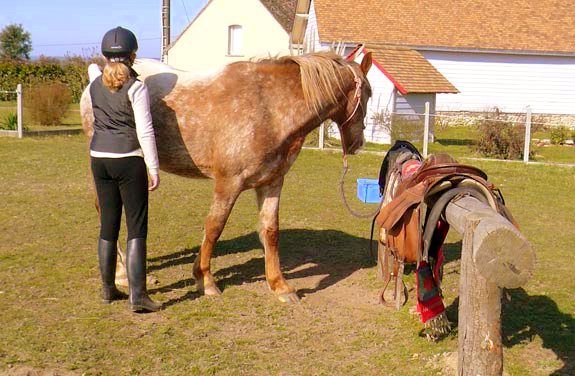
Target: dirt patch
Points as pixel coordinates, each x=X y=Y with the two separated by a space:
x=31 y=371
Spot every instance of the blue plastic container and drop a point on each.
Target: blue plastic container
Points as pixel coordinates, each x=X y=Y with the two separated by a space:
x=368 y=191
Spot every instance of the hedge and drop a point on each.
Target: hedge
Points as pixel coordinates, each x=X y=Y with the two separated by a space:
x=72 y=71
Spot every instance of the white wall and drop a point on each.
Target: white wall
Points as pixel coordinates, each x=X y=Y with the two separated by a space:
x=312 y=40
x=203 y=46
x=381 y=100
x=510 y=82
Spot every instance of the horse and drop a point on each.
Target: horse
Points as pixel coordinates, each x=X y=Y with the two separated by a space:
x=244 y=127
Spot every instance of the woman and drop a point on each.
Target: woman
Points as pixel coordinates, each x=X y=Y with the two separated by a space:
x=122 y=146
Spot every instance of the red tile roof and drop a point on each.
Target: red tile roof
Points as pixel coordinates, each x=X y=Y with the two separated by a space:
x=409 y=71
x=503 y=25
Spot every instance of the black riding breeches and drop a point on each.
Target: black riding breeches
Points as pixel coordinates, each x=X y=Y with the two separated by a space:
x=121 y=182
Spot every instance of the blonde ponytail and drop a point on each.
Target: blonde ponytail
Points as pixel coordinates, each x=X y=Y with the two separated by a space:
x=115 y=75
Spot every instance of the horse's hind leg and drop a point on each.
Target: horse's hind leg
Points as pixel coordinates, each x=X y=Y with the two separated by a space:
x=268 y=202
x=225 y=194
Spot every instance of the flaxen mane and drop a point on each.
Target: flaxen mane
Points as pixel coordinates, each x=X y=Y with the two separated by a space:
x=321 y=78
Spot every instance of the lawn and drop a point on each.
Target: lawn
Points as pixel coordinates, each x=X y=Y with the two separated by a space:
x=49 y=282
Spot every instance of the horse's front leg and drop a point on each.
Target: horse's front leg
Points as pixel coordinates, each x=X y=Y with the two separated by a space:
x=268 y=202
x=225 y=194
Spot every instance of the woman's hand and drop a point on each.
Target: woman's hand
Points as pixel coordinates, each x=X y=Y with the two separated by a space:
x=154 y=182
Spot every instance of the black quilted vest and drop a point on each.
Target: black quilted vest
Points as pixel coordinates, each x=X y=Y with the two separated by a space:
x=114 y=123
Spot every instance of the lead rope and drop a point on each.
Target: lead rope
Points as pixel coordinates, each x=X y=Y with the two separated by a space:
x=343 y=197
x=357 y=98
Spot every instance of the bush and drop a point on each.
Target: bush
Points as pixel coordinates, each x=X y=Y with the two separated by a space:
x=558 y=135
x=10 y=122
x=48 y=103
x=500 y=138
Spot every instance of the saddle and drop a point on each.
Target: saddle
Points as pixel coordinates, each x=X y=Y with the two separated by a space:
x=402 y=216
x=412 y=224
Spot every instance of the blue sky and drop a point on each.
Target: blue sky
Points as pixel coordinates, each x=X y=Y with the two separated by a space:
x=58 y=27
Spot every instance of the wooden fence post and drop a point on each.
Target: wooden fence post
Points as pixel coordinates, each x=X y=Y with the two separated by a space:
x=494 y=255
x=479 y=329
x=19 y=110
x=527 y=135
x=426 y=130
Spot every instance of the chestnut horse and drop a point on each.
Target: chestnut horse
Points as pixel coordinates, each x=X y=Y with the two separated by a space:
x=244 y=127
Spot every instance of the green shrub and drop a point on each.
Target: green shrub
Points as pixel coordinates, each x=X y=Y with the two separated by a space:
x=48 y=103
x=558 y=135
x=10 y=122
x=500 y=138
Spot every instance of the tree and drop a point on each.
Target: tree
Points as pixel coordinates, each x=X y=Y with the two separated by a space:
x=15 y=43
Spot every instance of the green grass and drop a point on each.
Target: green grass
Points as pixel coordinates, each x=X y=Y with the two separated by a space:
x=49 y=281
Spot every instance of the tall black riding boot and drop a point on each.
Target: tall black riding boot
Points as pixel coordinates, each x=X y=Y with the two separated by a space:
x=136 y=268
x=107 y=257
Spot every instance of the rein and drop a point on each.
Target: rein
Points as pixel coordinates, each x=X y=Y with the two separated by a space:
x=357 y=98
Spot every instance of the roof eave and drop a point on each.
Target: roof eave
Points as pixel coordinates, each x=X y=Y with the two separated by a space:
x=455 y=91
x=459 y=49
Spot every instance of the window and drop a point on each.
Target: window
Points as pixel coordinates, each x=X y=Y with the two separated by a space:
x=235 y=40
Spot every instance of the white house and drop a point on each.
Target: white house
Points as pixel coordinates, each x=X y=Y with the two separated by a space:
x=225 y=31
x=507 y=54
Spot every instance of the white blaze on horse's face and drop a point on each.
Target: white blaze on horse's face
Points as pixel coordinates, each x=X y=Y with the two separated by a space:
x=353 y=126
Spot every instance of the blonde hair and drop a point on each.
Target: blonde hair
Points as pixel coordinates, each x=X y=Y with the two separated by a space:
x=115 y=75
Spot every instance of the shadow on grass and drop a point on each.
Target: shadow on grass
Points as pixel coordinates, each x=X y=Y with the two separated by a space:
x=332 y=254
x=526 y=316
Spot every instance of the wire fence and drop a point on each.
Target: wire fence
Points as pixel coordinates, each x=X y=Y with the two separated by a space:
x=487 y=134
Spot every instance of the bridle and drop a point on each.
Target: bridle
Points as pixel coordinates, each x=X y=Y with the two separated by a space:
x=356 y=97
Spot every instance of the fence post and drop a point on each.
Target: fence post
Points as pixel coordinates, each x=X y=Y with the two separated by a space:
x=19 y=110
x=426 y=130
x=527 y=135
x=321 y=128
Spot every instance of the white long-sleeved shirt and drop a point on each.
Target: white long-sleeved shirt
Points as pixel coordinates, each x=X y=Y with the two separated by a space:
x=140 y=99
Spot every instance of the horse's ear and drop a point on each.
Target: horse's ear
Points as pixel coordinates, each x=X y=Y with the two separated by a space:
x=366 y=63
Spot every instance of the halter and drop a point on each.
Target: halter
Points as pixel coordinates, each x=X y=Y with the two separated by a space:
x=357 y=98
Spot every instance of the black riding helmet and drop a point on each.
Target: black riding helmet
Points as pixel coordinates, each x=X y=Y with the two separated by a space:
x=119 y=43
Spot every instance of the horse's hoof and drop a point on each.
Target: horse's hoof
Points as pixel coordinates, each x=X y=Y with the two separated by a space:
x=289 y=298
x=212 y=291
